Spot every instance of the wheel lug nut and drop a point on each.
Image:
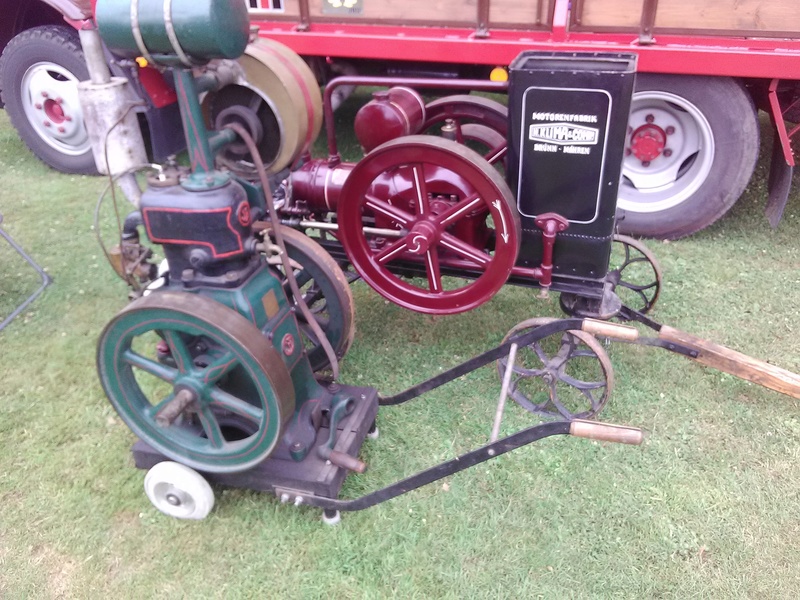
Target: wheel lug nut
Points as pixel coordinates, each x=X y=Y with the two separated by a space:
x=669 y=130
x=47 y=123
x=628 y=151
x=667 y=152
x=630 y=129
x=61 y=130
x=44 y=94
x=59 y=100
x=645 y=163
x=67 y=118
x=649 y=118
x=37 y=106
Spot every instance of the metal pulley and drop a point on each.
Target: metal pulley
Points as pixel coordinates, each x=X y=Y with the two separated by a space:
x=278 y=91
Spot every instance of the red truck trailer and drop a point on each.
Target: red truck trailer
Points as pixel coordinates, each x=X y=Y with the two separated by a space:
x=693 y=136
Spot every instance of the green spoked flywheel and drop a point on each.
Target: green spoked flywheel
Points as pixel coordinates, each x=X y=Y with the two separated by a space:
x=195 y=380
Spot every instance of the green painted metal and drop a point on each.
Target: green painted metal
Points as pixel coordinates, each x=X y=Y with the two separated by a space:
x=194 y=127
x=202 y=29
x=227 y=364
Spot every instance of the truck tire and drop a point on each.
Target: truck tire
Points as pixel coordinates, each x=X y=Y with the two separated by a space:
x=691 y=148
x=39 y=72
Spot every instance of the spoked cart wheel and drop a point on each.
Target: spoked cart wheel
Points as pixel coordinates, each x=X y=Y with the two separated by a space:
x=433 y=206
x=325 y=290
x=477 y=122
x=178 y=491
x=635 y=273
x=567 y=375
x=196 y=381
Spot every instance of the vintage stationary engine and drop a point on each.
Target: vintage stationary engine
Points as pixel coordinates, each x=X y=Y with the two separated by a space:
x=218 y=364
x=215 y=364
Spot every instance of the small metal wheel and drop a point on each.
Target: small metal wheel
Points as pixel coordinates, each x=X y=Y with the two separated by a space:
x=474 y=121
x=567 y=375
x=325 y=290
x=177 y=367
x=331 y=517
x=434 y=208
x=635 y=272
x=636 y=277
x=178 y=491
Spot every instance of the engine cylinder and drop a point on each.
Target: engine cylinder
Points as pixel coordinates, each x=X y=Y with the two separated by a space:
x=390 y=114
x=320 y=185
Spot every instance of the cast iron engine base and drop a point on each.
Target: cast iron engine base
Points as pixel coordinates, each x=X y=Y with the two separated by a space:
x=313 y=475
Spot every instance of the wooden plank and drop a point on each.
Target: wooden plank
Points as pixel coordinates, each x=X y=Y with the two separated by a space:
x=516 y=12
x=690 y=15
x=409 y=12
x=624 y=14
x=733 y=15
x=738 y=364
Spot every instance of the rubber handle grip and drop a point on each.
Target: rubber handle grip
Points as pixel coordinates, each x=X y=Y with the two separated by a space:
x=620 y=434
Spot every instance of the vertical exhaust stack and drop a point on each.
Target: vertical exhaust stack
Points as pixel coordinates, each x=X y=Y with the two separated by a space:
x=110 y=116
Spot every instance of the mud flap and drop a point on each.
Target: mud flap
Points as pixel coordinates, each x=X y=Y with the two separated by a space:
x=780 y=182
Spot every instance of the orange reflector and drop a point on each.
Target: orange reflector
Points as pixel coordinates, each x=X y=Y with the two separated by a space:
x=498 y=74
x=141 y=61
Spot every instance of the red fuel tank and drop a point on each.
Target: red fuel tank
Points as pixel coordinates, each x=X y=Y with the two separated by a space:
x=390 y=114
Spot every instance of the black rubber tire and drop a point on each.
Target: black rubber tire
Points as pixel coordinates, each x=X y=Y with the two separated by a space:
x=54 y=44
x=732 y=122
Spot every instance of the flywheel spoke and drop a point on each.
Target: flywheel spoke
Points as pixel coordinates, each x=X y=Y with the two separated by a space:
x=387 y=210
x=208 y=421
x=423 y=207
x=180 y=353
x=434 y=274
x=465 y=250
x=155 y=368
x=237 y=406
x=459 y=210
x=391 y=252
x=219 y=368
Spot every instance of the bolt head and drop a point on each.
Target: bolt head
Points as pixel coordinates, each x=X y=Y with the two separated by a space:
x=44 y=94
x=645 y=163
x=669 y=130
x=37 y=106
x=649 y=118
x=667 y=152
x=628 y=151
x=59 y=100
x=61 y=130
x=67 y=118
x=47 y=123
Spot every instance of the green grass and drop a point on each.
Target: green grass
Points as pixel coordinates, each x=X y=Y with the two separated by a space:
x=709 y=506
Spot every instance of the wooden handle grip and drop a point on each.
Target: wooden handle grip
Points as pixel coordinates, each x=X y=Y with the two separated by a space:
x=610 y=330
x=175 y=408
x=606 y=432
x=345 y=461
x=736 y=363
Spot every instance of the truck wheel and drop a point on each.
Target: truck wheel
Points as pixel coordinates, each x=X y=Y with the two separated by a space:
x=691 y=148
x=39 y=72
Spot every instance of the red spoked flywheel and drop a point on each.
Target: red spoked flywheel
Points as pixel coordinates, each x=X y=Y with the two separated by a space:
x=429 y=224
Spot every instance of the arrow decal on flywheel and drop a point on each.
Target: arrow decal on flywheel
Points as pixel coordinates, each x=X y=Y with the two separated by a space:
x=503 y=235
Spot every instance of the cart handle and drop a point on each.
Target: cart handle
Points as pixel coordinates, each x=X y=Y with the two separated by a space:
x=606 y=432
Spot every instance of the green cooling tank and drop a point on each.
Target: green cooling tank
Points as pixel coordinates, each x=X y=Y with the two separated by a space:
x=174 y=31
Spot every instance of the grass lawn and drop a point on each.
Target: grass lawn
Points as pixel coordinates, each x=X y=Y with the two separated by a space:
x=708 y=506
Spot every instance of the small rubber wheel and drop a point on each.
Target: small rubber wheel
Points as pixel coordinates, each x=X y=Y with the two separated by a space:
x=374 y=433
x=331 y=517
x=178 y=491
x=39 y=73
